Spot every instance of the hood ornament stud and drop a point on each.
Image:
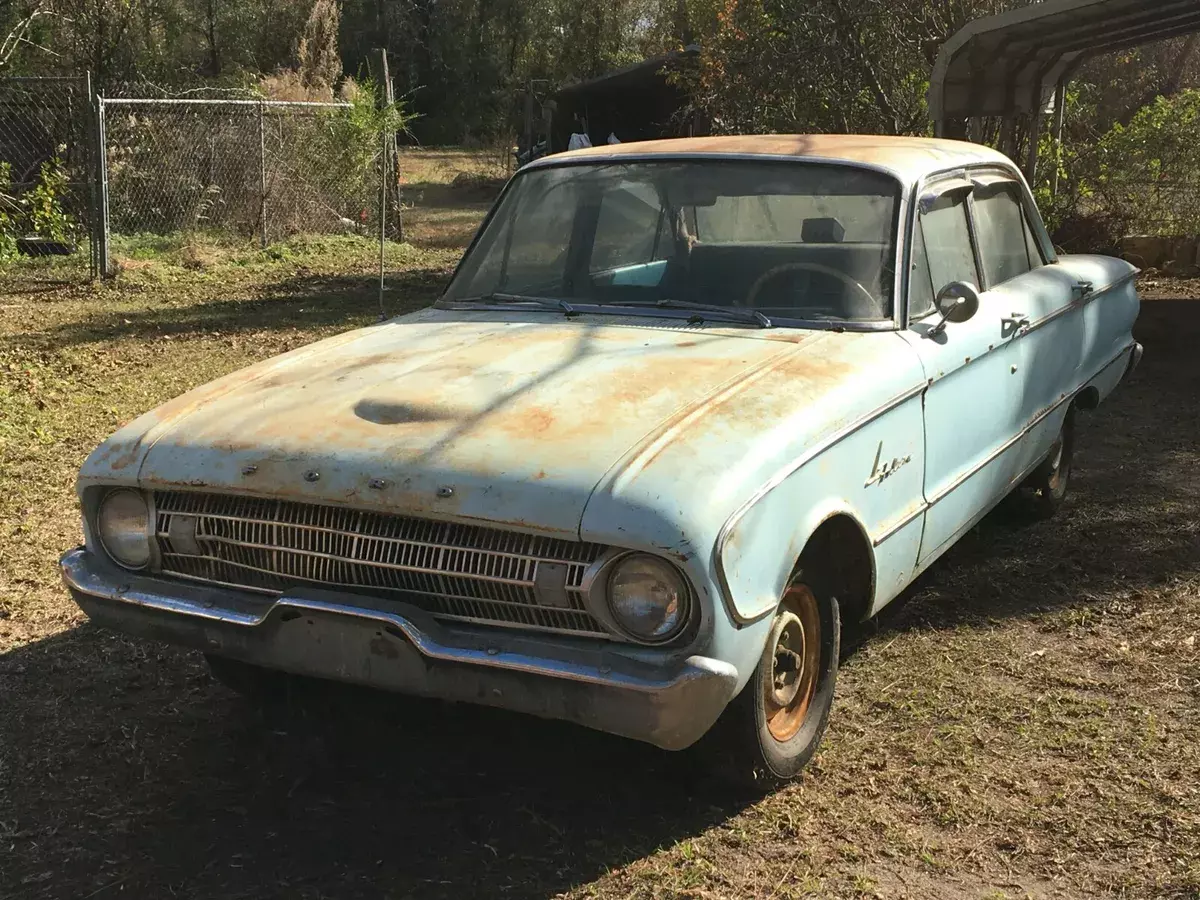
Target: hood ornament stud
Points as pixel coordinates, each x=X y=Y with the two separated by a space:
x=312 y=477
x=445 y=492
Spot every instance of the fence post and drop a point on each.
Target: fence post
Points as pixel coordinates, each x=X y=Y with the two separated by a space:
x=101 y=226
x=383 y=100
x=93 y=177
x=262 y=177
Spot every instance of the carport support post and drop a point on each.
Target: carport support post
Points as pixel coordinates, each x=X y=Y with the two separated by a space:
x=1035 y=138
x=1060 y=112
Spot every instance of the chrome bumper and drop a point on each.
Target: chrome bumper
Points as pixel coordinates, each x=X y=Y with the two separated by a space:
x=388 y=645
x=1135 y=357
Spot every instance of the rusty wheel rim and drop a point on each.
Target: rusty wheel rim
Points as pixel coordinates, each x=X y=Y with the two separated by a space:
x=794 y=649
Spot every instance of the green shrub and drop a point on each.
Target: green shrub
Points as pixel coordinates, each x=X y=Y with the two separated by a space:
x=10 y=210
x=1148 y=172
x=44 y=204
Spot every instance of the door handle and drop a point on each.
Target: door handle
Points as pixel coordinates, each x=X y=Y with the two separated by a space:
x=1016 y=321
x=1081 y=289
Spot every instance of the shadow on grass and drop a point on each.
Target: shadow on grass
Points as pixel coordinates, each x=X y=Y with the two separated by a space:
x=135 y=770
x=303 y=301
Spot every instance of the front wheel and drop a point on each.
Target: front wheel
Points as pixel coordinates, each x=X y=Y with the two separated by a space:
x=772 y=729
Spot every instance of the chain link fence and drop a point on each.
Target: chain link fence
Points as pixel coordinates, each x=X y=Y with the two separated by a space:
x=261 y=169
x=47 y=184
x=78 y=170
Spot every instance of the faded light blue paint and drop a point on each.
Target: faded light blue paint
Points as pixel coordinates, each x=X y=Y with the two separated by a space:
x=718 y=445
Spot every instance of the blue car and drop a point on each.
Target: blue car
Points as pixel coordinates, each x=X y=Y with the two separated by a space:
x=686 y=409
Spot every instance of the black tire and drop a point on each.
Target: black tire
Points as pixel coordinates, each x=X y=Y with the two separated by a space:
x=1041 y=495
x=761 y=745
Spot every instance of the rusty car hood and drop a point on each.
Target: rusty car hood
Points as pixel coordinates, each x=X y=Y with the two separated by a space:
x=490 y=417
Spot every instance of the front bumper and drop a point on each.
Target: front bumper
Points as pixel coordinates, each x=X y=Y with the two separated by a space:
x=400 y=648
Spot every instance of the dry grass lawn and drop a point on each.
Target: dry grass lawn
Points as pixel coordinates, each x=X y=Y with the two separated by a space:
x=1026 y=723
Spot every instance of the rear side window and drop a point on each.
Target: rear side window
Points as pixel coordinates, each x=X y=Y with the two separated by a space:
x=630 y=228
x=947 y=237
x=1003 y=233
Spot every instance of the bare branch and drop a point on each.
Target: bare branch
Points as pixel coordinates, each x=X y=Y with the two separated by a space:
x=17 y=36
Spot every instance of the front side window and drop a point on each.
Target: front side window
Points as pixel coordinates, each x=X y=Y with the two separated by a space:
x=810 y=242
x=947 y=237
x=920 y=279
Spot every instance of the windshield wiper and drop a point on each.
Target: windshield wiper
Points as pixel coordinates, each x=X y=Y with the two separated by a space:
x=546 y=302
x=738 y=313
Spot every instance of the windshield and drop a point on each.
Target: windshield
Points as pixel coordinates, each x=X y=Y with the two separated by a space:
x=813 y=242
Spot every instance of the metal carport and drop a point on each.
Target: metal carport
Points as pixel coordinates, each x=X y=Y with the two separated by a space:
x=1018 y=63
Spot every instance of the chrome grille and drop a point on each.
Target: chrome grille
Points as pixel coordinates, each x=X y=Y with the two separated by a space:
x=456 y=572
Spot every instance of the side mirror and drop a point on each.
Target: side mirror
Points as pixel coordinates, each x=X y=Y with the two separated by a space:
x=957 y=302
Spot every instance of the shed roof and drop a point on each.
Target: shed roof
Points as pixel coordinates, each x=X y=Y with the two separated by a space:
x=1012 y=62
x=907 y=157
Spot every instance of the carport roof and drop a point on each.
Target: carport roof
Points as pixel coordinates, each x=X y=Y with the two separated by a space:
x=1011 y=63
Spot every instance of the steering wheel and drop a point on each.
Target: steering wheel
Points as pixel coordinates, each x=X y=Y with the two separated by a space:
x=868 y=310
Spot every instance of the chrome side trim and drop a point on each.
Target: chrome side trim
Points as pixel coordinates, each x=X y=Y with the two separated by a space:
x=777 y=479
x=1005 y=447
x=1075 y=305
x=893 y=530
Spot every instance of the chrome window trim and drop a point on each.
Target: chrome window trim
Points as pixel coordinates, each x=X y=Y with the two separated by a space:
x=1007 y=172
x=557 y=161
x=615 y=309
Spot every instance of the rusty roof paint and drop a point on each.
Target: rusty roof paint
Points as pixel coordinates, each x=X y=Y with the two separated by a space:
x=908 y=157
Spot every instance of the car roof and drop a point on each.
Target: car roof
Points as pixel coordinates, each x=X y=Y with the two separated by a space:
x=910 y=158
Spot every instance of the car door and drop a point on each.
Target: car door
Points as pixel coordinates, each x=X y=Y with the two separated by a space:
x=972 y=401
x=1043 y=299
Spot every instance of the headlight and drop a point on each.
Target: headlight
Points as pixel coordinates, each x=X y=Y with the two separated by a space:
x=648 y=598
x=123 y=525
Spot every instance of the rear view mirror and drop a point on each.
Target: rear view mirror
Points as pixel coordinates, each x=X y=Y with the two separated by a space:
x=957 y=302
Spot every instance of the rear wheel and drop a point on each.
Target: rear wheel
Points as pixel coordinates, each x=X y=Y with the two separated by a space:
x=771 y=730
x=1042 y=493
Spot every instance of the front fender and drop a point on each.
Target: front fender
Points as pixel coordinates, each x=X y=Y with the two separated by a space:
x=870 y=472
x=761 y=567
